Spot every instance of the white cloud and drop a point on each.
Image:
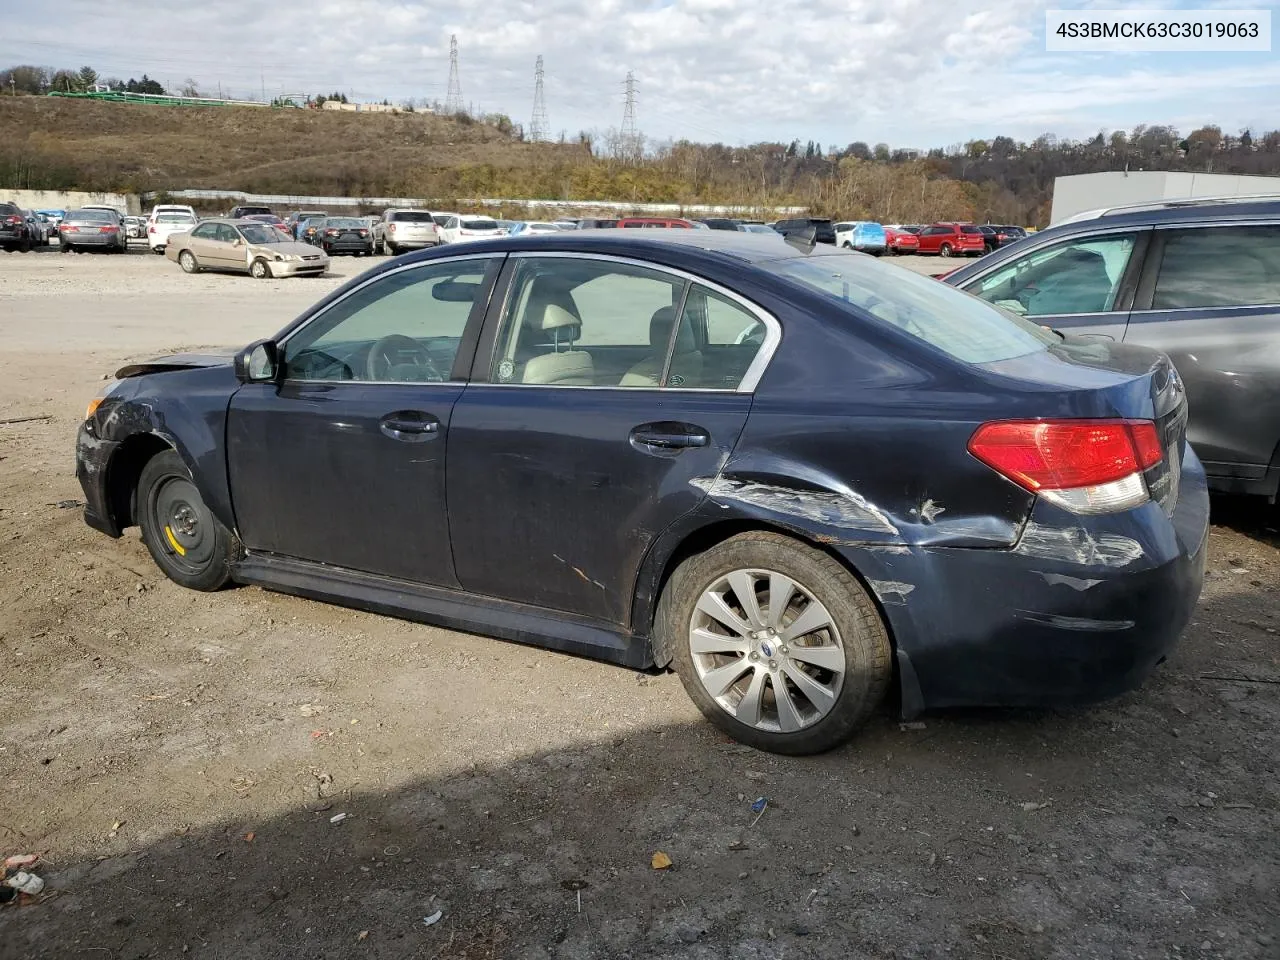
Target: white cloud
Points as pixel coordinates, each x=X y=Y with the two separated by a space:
x=909 y=72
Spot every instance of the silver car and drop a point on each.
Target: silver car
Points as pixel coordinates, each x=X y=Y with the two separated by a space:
x=93 y=228
x=405 y=230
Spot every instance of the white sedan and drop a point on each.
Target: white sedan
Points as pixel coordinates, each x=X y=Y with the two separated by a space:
x=459 y=228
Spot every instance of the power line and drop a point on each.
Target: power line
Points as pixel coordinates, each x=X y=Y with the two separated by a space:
x=453 y=99
x=539 y=126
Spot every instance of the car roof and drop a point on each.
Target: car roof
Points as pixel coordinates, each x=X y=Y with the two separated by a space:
x=1178 y=211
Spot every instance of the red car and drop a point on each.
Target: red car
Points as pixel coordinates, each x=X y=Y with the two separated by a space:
x=898 y=240
x=659 y=222
x=945 y=239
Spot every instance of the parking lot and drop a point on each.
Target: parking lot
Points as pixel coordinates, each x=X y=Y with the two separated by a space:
x=182 y=760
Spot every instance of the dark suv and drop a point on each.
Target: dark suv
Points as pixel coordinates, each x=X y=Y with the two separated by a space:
x=826 y=231
x=15 y=234
x=249 y=210
x=1197 y=279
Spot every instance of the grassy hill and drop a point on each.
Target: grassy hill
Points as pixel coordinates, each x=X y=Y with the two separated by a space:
x=53 y=143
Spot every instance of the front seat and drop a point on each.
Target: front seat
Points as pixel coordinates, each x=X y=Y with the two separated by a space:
x=686 y=360
x=555 y=319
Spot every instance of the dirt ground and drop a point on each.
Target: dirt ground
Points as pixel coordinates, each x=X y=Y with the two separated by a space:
x=181 y=760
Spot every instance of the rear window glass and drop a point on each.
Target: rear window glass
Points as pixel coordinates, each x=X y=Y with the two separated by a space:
x=411 y=217
x=957 y=324
x=345 y=222
x=8 y=209
x=175 y=218
x=92 y=215
x=475 y=224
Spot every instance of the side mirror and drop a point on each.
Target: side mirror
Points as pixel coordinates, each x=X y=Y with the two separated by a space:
x=239 y=242
x=258 y=363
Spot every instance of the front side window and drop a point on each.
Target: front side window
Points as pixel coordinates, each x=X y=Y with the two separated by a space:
x=226 y=233
x=1072 y=277
x=939 y=315
x=405 y=327
x=1219 y=267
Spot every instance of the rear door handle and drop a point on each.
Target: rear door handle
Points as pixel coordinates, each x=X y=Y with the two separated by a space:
x=668 y=436
x=409 y=426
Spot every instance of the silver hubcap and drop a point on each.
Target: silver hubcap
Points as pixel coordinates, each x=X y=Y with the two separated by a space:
x=767 y=650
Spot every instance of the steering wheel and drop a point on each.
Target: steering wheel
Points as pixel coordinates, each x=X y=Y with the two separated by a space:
x=393 y=350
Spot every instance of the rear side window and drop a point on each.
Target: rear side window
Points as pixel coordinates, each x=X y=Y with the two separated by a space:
x=1219 y=267
x=961 y=326
x=977 y=230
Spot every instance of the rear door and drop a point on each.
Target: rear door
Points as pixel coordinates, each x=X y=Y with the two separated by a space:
x=1083 y=286
x=590 y=421
x=343 y=461
x=1210 y=298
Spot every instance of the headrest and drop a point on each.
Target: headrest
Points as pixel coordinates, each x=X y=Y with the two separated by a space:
x=552 y=316
x=660 y=332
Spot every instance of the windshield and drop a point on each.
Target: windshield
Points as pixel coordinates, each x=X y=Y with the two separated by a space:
x=960 y=325
x=412 y=217
x=263 y=234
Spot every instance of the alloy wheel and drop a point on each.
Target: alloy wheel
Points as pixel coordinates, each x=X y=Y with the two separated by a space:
x=767 y=650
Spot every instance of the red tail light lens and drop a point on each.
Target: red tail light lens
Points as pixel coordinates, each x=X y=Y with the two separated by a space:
x=331 y=232
x=108 y=229
x=364 y=233
x=391 y=228
x=1090 y=466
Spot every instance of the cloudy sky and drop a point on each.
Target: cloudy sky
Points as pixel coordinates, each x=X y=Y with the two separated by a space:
x=907 y=72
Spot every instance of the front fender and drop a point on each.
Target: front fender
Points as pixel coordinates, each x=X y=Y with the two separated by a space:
x=187 y=409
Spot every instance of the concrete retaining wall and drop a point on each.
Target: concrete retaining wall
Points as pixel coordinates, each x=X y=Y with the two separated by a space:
x=68 y=199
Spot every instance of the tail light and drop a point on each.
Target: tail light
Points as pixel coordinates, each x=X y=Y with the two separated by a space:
x=331 y=232
x=13 y=220
x=1085 y=466
x=151 y=229
x=108 y=229
x=364 y=233
x=391 y=228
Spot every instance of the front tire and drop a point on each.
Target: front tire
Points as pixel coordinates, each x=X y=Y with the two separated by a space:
x=260 y=269
x=776 y=643
x=185 y=539
x=187 y=261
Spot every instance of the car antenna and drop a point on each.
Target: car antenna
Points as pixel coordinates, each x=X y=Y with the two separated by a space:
x=804 y=240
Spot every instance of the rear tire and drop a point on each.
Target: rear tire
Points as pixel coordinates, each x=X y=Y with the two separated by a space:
x=185 y=539
x=187 y=261
x=64 y=247
x=393 y=249
x=25 y=245
x=944 y=250
x=827 y=703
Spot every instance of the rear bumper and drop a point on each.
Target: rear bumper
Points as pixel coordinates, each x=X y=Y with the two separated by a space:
x=1081 y=609
x=92 y=239
x=412 y=243
x=348 y=246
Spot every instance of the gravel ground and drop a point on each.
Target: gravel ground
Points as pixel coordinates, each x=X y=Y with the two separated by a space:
x=180 y=759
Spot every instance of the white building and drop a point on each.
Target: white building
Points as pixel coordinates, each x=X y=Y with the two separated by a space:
x=1090 y=191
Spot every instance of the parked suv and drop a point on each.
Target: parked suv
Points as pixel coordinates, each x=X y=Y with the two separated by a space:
x=826 y=231
x=245 y=210
x=1197 y=279
x=405 y=230
x=944 y=239
x=15 y=232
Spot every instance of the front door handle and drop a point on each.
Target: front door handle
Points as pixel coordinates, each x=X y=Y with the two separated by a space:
x=409 y=426
x=668 y=436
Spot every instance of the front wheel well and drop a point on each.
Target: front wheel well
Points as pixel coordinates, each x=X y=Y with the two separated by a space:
x=123 y=472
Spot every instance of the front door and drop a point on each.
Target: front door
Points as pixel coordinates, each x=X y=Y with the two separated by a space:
x=1083 y=286
x=601 y=423
x=343 y=461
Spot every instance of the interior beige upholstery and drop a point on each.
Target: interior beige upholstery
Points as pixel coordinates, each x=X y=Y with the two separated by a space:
x=686 y=361
x=563 y=365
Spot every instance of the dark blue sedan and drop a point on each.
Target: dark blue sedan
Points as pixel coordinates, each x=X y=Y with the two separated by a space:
x=798 y=475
